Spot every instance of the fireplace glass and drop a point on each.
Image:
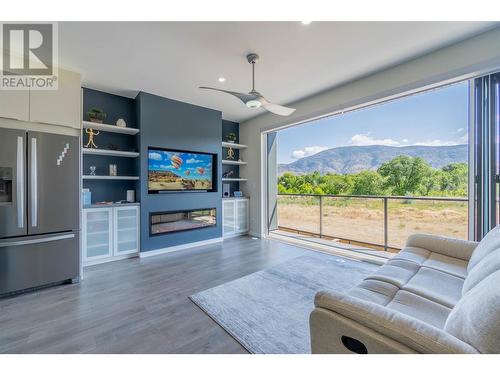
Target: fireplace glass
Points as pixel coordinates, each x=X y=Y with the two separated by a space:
x=176 y=221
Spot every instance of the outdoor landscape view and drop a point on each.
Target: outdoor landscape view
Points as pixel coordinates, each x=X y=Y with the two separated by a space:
x=371 y=161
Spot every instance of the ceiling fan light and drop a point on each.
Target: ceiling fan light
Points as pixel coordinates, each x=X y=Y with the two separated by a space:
x=253 y=104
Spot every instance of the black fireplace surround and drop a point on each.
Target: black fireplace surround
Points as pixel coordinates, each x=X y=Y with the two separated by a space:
x=166 y=222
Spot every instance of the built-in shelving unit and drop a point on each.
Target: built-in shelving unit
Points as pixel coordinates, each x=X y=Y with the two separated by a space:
x=109 y=128
x=234 y=162
x=92 y=177
x=233 y=145
x=98 y=151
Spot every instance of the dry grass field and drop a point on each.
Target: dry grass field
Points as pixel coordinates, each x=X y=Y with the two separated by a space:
x=363 y=219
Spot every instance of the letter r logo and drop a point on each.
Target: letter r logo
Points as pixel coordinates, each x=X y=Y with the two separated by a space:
x=27 y=49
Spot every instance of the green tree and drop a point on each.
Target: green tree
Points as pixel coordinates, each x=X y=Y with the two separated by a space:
x=368 y=183
x=403 y=174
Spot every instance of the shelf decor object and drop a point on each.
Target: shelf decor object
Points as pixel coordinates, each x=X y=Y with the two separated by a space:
x=96 y=115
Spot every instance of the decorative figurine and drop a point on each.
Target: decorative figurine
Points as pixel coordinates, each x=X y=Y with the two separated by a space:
x=92 y=170
x=227 y=174
x=121 y=123
x=230 y=154
x=92 y=133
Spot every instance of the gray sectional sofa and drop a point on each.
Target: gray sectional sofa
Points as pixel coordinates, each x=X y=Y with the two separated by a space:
x=438 y=295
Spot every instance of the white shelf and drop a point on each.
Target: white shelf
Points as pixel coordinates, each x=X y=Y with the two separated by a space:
x=98 y=151
x=90 y=177
x=234 y=179
x=109 y=128
x=233 y=145
x=234 y=162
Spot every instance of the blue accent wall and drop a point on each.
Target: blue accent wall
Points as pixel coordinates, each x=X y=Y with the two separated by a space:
x=172 y=124
x=115 y=107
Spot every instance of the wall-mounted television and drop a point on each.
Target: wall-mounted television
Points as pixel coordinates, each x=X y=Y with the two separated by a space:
x=177 y=170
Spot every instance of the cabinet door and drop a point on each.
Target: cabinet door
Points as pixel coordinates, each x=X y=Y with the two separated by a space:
x=61 y=106
x=97 y=233
x=242 y=215
x=228 y=217
x=15 y=104
x=126 y=230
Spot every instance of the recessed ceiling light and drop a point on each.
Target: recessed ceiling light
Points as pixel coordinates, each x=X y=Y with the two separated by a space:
x=305 y=22
x=222 y=79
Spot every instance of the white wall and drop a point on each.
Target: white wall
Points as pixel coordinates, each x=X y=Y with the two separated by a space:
x=462 y=60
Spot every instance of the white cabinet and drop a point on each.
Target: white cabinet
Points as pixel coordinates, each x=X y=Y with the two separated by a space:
x=61 y=106
x=15 y=104
x=57 y=107
x=234 y=216
x=109 y=233
x=126 y=230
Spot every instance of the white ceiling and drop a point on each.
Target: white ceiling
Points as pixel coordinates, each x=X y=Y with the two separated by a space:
x=172 y=59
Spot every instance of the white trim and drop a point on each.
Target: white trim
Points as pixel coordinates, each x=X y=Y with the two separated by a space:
x=166 y=250
x=109 y=128
x=233 y=145
x=110 y=259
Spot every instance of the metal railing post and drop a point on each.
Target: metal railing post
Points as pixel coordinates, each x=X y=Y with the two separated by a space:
x=385 y=224
x=320 y=216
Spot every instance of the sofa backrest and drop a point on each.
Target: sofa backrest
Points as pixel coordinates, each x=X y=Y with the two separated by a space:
x=475 y=319
x=488 y=244
x=488 y=265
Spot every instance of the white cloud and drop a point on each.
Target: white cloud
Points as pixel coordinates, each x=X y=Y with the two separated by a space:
x=154 y=156
x=164 y=166
x=193 y=161
x=437 y=142
x=405 y=140
x=308 y=151
x=367 y=140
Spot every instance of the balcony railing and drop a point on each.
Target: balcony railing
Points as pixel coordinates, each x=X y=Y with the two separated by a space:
x=380 y=222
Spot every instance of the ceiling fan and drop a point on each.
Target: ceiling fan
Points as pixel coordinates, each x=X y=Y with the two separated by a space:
x=254 y=99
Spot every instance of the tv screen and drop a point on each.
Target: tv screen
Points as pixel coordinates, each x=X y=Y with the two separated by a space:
x=175 y=170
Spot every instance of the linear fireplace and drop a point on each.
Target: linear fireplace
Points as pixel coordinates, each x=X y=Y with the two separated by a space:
x=178 y=221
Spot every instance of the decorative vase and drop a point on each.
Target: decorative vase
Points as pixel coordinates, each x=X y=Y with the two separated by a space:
x=95 y=120
x=121 y=123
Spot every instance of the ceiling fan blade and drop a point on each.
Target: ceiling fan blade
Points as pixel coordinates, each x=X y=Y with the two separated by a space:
x=276 y=108
x=240 y=95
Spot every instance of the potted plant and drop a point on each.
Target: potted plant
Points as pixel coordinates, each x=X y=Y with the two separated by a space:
x=96 y=115
x=231 y=137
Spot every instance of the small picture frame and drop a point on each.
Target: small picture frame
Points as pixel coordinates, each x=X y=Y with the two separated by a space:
x=112 y=170
x=238 y=194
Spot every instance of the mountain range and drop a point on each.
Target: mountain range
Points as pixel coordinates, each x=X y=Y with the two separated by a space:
x=354 y=159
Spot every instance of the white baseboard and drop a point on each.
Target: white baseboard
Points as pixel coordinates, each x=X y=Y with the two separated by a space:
x=255 y=234
x=171 y=249
x=109 y=259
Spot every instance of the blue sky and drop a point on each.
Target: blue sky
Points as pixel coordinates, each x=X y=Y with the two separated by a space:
x=437 y=118
x=189 y=168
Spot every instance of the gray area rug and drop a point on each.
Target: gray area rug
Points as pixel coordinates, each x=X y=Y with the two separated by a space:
x=268 y=311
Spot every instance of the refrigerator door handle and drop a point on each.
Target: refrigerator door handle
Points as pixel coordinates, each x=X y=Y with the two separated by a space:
x=20 y=182
x=8 y=243
x=34 y=183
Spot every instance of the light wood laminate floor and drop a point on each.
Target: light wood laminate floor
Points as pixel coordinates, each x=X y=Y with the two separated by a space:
x=137 y=305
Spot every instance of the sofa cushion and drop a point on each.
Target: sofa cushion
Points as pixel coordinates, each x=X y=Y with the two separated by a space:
x=375 y=291
x=420 y=308
x=437 y=286
x=488 y=244
x=397 y=272
x=476 y=317
x=413 y=254
x=488 y=265
x=444 y=263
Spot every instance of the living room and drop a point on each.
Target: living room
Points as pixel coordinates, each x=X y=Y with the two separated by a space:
x=248 y=187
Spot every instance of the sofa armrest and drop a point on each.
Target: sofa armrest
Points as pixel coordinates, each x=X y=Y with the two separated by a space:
x=410 y=332
x=452 y=247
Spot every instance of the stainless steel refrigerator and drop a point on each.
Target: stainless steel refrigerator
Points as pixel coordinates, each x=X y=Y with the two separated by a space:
x=39 y=209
